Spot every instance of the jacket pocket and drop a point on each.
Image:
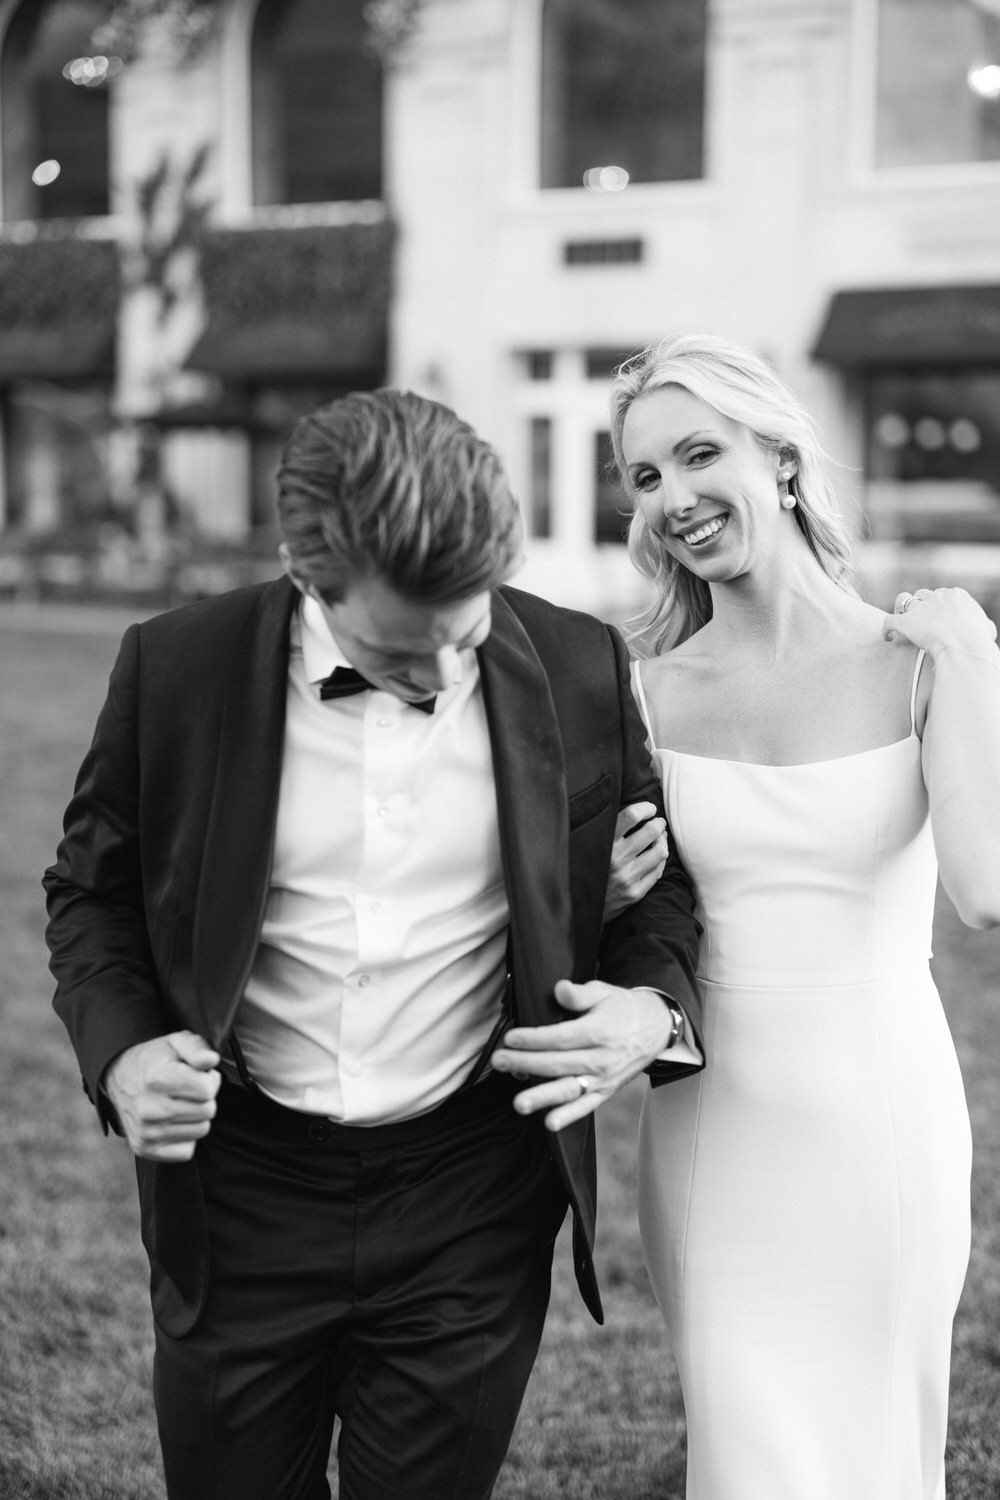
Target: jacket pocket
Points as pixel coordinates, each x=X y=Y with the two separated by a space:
x=586 y=804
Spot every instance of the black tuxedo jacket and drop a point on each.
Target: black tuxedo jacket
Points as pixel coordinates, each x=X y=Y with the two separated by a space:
x=158 y=891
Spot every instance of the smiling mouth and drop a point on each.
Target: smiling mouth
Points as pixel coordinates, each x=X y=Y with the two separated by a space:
x=704 y=533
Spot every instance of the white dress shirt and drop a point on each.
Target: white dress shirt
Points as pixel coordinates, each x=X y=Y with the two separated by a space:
x=381 y=963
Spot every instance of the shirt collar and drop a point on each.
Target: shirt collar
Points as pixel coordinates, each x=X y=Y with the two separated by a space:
x=320 y=652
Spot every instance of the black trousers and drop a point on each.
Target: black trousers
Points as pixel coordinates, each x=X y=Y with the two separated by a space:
x=396 y=1276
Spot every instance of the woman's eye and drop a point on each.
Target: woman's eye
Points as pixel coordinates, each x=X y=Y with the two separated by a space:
x=701 y=455
x=646 y=479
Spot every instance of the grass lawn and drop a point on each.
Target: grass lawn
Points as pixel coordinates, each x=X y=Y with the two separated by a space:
x=602 y=1420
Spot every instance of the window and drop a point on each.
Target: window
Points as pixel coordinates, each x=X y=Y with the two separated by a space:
x=601 y=364
x=602 y=252
x=540 y=518
x=623 y=92
x=938 y=82
x=610 y=508
x=54 y=120
x=55 y=458
x=934 y=453
x=317 y=104
x=538 y=364
x=564 y=463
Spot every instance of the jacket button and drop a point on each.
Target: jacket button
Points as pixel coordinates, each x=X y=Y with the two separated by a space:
x=319 y=1131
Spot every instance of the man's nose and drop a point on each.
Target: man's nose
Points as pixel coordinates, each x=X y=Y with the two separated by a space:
x=439 y=671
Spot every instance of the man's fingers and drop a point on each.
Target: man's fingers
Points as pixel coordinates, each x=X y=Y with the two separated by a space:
x=553 y=1065
x=562 y=1098
x=561 y=1036
x=192 y=1049
x=167 y=1137
x=179 y=1080
x=166 y=1151
x=163 y=1106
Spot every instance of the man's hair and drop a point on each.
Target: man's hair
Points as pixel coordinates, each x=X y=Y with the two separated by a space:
x=386 y=482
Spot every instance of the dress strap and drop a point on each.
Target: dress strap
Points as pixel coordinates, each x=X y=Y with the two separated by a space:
x=639 y=694
x=913 y=690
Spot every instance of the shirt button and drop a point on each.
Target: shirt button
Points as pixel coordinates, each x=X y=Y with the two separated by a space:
x=383 y=812
x=376 y=906
x=364 y=979
x=383 y=723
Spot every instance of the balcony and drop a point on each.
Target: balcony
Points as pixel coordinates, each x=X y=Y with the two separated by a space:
x=296 y=304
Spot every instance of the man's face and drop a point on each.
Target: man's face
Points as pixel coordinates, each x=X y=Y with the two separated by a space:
x=409 y=648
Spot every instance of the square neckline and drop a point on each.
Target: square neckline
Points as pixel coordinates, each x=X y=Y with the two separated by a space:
x=639 y=692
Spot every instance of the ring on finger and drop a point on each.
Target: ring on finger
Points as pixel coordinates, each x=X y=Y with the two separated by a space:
x=585 y=1083
x=902 y=604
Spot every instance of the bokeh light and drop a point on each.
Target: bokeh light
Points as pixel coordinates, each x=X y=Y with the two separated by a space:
x=892 y=430
x=91 y=72
x=46 y=172
x=985 y=80
x=605 y=179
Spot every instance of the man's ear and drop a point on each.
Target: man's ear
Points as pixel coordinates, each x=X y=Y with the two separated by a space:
x=303 y=585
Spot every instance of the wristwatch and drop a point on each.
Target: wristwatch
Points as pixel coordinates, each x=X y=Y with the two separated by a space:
x=677 y=1016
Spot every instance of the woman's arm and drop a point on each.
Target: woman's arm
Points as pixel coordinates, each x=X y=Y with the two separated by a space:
x=637 y=858
x=961 y=744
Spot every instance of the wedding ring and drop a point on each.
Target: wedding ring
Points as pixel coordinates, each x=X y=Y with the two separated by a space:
x=584 y=1083
x=902 y=604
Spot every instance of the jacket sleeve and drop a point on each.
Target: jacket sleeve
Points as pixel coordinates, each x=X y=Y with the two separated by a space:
x=107 y=993
x=653 y=943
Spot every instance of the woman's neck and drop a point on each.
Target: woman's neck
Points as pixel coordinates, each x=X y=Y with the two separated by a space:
x=796 y=609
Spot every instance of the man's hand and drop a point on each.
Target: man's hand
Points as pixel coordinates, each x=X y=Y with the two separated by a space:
x=164 y=1092
x=588 y=1059
x=637 y=858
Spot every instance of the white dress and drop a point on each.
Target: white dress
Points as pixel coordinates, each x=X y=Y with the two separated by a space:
x=804 y=1202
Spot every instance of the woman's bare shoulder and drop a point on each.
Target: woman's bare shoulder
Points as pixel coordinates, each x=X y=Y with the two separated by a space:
x=685 y=662
x=677 y=685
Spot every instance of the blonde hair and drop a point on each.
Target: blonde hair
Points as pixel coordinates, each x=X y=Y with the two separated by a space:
x=740 y=386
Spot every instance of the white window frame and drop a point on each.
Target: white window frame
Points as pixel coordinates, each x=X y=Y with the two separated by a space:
x=235 y=204
x=524 y=110
x=864 y=171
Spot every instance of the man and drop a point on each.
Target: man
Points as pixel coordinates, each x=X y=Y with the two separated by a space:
x=292 y=914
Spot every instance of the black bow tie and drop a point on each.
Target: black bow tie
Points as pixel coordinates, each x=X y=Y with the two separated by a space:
x=345 y=681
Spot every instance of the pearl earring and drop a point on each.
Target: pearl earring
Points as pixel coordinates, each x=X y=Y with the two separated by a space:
x=787 y=499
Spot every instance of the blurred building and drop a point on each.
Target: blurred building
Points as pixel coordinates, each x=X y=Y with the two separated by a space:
x=218 y=218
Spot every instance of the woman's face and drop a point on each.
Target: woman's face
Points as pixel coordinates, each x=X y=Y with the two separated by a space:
x=705 y=485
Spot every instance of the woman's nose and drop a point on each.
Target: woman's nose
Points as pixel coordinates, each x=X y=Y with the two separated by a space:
x=676 y=498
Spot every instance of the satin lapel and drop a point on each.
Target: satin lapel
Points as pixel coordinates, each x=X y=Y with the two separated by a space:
x=239 y=837
x=530 y=775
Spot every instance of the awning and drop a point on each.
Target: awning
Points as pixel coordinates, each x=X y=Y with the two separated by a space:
x=292 y=349
x=83 y=352
x=912 y=325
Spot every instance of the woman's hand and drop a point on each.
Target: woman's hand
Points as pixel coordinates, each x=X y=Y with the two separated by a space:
x=939 y=620
x=637 y=858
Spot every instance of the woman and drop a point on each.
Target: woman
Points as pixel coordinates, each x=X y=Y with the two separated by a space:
x=804 y=1202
